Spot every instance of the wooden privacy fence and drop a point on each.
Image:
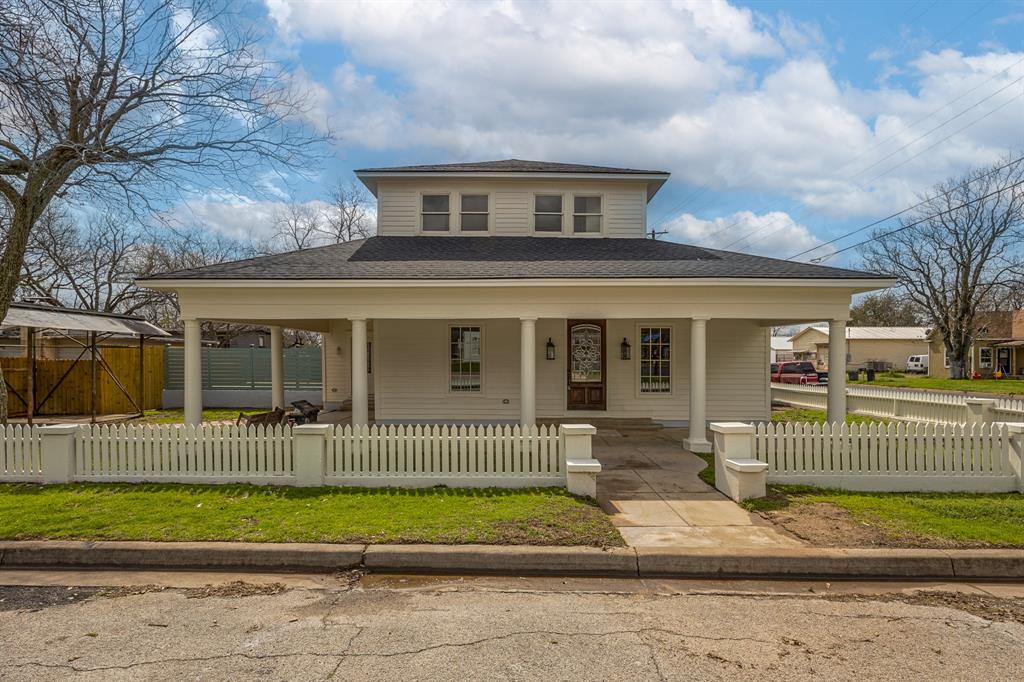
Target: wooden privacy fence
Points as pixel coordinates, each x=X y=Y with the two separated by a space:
x=892 y=457
x=891 y=403
x=73 y=395
x=314 y=454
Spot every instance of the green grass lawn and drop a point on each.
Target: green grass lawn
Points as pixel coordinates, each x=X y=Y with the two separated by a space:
x=994 y=386
x=799 y=414
x=540 y=516
x=994 y=519
x=177 y=416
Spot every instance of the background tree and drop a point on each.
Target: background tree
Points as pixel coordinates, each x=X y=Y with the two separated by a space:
x=885 y=309
x=958 y=252
x=349 y=215
x=98 y=97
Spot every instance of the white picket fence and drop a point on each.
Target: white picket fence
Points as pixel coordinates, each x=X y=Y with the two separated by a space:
x=508 y=456
x=19 y=453
x=430 y=455
x=890 y=457
x=892 y=403
x=211 y=453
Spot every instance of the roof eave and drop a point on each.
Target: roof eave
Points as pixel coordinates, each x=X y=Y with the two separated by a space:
x=857 y=285
x=654 y=180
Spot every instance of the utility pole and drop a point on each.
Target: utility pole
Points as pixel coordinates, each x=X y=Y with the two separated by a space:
x=654 y=234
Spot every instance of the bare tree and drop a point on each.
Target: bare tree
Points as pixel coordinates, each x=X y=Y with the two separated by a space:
x=296 y=226
x=99 y=96
x=885 y=309
x=349 y=215
x=92 y=267
x=958 y=252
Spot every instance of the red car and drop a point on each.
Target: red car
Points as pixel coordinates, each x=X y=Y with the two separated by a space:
x=794 y=373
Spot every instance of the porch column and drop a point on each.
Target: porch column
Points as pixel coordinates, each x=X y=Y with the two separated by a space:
x=276 y=367
x=360 y=407
x=527 y=371
x=698 y=439
x=836 y=371
x=193 y=373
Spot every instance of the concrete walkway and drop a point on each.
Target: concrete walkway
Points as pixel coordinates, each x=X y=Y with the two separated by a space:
x=650 y=488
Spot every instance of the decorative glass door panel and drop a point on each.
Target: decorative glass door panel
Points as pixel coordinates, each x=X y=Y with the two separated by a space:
x=586 y=380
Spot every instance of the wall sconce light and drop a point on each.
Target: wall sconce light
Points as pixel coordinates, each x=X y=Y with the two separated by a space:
x=624 y=349
x=549 y=350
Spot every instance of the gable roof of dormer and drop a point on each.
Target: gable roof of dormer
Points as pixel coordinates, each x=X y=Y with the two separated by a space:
x=512 y=168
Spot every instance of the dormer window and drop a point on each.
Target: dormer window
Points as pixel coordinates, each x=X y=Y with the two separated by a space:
x=436 y=212
x=586 y=214
x=475 y=213
x=547 y=213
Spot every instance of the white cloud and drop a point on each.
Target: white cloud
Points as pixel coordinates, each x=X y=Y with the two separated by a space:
x=773 y=234
x=674 y=86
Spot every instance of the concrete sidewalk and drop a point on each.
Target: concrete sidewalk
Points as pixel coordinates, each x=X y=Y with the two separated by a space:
x=650 y=488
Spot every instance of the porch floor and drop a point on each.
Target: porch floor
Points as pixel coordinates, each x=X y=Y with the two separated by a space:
x=649 y=486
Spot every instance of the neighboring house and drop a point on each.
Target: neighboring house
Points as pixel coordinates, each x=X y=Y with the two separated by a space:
x=998 y=344
x=781 y=349
x=881 y=348
x=512 y=291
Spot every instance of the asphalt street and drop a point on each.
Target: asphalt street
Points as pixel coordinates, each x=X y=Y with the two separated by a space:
x=178 y=626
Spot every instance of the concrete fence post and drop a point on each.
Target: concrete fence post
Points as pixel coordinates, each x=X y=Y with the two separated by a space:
x=57 y=452
x=581 y=469
x=737 y=473
x=310 y=448
x=1016 y=431
x=980 y=410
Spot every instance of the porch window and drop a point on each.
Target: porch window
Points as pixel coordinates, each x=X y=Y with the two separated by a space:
x=474 y=215
x=547 y=213
x=655 y=360
x=985 y=357
x=465 y=359
x=435 y=212
x=586 y=216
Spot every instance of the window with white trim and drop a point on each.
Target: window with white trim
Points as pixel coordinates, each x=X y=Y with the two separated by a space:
x=655 y=360
x=586 y=214
x=465 y=359
x=435 y=212
x=475 y=212
x=945 y=357
x=985 y=357
x=547 y=213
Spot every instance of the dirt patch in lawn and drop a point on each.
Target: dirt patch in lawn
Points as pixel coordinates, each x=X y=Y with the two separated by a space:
x=828 y=525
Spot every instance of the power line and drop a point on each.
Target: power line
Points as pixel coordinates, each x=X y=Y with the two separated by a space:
x=909 y=208
x=876 y=177
x=672 y=212
x=822 y=259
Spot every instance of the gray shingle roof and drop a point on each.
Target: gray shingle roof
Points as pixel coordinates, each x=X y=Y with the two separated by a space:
x=448 y=258
x=510 y=166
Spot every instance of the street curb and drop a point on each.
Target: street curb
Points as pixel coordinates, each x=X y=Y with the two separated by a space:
x=508 y=559
x=640 y=562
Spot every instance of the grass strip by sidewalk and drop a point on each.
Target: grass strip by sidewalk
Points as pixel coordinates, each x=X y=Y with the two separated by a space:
x=242 y=513
x=995 y=519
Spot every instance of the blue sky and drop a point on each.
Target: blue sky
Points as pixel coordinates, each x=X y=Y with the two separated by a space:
x=784 y=124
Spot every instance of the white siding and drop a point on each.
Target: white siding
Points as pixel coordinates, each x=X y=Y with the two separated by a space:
x=624 y=205
x=397 y=211
x=411 y=367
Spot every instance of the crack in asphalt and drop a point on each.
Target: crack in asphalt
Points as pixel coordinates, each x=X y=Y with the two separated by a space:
x=346 y=653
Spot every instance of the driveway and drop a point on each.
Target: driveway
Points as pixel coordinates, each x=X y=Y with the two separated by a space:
x=649 y=486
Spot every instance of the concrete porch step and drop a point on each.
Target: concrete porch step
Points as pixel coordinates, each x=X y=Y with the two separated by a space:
x=610 y=423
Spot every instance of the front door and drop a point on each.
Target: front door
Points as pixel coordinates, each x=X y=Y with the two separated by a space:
x=586 y=383
x=1003 y=362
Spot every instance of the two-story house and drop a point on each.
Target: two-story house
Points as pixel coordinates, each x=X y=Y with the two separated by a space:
x=512 y=291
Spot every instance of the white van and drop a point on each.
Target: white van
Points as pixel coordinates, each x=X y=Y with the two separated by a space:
x=917 y=363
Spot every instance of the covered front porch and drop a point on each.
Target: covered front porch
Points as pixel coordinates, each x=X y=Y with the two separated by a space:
x=675 y=371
